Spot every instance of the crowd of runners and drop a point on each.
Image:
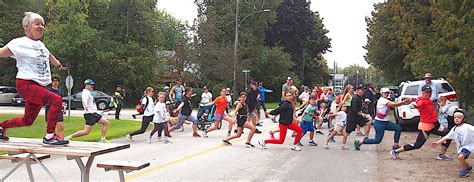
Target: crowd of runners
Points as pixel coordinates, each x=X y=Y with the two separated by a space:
x=357 y=107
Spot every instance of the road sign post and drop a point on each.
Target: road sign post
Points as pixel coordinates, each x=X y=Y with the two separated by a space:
x=69 y=83
x=246 y=72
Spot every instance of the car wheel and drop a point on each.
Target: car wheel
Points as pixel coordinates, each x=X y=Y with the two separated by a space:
x=65 y=105
x=102 y=105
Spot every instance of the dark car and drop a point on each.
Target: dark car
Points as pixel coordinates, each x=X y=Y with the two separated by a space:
x=18 y=101
x=101 y=99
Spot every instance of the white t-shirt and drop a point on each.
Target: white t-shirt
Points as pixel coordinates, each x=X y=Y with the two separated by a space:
x=341 y=118
x=206 y=97
x=150 y=106
x=32 y=60
x=304 y=96
x=463 y=136
x=88 y=102
x=161 y=115
x=383 y=108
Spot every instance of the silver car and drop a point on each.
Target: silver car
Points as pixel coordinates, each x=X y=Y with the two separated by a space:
x=7 y=94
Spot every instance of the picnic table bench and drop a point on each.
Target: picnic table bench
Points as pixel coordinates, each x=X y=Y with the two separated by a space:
x=73 y=151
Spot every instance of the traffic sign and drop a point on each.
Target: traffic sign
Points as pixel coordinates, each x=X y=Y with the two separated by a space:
x=69 y=83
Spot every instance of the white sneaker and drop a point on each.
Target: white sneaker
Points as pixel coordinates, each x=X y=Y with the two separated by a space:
x=103 y=140
x=204 y=134
x=296 y=148
x=344 y=147
x=159 y=139
x=262 y=144
x=148 y=140
x=325 y=145
x=167 y=142
x=129 y=138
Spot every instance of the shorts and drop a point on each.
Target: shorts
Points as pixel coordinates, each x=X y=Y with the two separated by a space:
x=92 y=118
x=218 y=117
x=465 y=152
x=252 y=115
x=352 y=122
x=307 y=126
x=338 y=128
x=241 y=121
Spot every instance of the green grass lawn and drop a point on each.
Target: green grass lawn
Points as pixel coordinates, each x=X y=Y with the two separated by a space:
x=117 y=128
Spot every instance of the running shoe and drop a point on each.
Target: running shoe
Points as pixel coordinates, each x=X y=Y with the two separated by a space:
x=55 y=140
x=262 y=144
x=134 y=117
x=312 y=143
x=464 y=173
x=344 y=147
x=249 y=144
x=129 y=138
x=274 y=120
x=325 y=145
x=167 y=142
x=258 y=131
x=3 y=134
x=356 y=145
x=359 y=134
x=300 y=144
x=235 y=131
x=204 y=134
x=271 y=135
x=319 y=132
x=159 y=139
x=394 y=155
x=259 y=124
x=296 y=148
x=103 y=140
x=148 y=140
x=226 y=142
x=195 y=134
x=469 y=168
x=332 y=140
x=443 y=157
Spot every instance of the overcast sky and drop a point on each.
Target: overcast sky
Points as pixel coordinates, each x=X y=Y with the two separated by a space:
x=345 y=20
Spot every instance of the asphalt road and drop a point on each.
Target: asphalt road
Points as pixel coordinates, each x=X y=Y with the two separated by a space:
x=207 y=159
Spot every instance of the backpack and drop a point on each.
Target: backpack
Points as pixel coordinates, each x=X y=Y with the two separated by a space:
x=140 y=107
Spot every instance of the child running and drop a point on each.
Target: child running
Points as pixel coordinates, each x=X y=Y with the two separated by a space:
x=160 y=119
x=340 y=118
x=463 y=134
x=148 y=106
x=90 y=114
x=241 y=113
x=428 y=124
x=221 y=105
x=285 y=110
x=307 y=123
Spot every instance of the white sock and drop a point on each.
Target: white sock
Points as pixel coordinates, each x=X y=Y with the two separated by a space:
x=49 y=136
x=102 y=138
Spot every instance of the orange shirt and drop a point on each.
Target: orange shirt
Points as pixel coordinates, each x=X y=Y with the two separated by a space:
x=427 y=114
x=221 y=104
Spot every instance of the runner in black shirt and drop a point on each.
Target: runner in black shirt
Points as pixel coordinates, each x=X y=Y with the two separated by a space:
x=252 y=98
x=356 y=117
x=185 y=112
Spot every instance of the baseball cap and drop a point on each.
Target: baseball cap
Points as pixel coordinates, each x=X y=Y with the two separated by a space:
x=289 y=78
x=428 y=75
x=385 y=89
x=426 y=88
x=367 y=100
x=89 y=82
x=253 y=83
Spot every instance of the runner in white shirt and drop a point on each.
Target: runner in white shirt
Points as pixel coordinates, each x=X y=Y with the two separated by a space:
x=90 y=114
x=149 y=105
x=32 y=60
x=160 y=119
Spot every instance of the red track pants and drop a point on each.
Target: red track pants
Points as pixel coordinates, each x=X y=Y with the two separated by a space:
x=36 y=96
x=283 y=129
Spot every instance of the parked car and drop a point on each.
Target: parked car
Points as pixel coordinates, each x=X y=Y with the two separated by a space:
x=17 y=101
x=406 y=116
x=101 y=99
x=6 y=94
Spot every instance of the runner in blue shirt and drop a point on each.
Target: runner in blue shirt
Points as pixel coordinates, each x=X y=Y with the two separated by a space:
x=261 y=101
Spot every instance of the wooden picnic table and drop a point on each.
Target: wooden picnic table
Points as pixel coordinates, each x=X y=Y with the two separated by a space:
x=73 y=151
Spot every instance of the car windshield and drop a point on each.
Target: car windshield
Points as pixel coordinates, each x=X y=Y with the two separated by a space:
x=411 y=90
x=445 y=87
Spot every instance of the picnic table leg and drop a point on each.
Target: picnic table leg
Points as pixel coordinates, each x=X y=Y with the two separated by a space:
x=15 y=168
x=85 y=169
x=122 y=177
x=44 y=167
x=30 y=172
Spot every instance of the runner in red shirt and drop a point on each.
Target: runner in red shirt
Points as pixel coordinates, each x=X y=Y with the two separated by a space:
x=428 y=124
x=221 y=104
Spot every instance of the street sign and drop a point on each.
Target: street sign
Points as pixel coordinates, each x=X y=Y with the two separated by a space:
x=69 y=83
x=246 y=71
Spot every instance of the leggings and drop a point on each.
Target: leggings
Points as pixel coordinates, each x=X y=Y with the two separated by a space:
x=423 y=136
x=36 y=96
x=145 y=122
x=158 y=128
x=380 y=127
x=117 y=111
x=283 y=129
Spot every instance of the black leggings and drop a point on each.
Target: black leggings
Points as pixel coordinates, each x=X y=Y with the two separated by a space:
x=423 y=136
x=145 y=122
x=158 y=128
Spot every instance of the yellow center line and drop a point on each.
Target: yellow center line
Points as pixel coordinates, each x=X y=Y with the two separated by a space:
x=140 y=174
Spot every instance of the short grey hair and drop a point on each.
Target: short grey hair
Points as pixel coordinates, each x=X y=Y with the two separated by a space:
x=30 y=18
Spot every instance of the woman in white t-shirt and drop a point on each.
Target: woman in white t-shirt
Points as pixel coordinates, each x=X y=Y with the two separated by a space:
x=34 y=74
x=148 y=112
x=382 y=121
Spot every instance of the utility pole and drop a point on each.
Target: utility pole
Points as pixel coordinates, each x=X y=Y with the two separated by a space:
x=236 y=43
